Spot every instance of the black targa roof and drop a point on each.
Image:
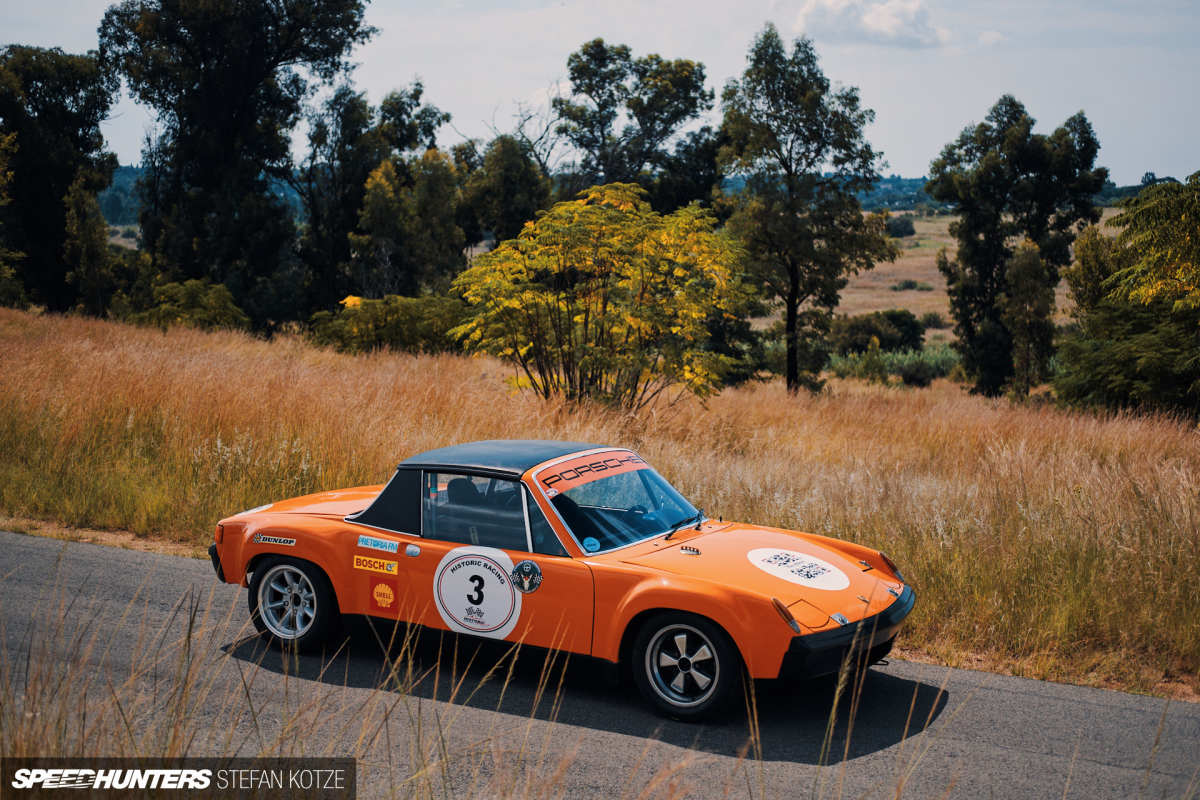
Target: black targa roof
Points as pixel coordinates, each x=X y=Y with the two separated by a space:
x=511 y=456
x=398 y=506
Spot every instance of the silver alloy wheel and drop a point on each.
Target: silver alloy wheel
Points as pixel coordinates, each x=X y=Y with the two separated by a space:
x=682 y=665
x=287 y=603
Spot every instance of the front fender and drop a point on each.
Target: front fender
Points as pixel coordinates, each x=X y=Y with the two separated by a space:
x=760 y=636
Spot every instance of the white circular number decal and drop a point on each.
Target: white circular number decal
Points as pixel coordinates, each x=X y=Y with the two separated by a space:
x=799 y=568
x=474 y=592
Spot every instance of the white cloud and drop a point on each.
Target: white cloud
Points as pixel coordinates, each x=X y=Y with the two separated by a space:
x=904 y=23
x=989 y=38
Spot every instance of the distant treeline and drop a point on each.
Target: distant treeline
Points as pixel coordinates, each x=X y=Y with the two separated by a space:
x=120 y=205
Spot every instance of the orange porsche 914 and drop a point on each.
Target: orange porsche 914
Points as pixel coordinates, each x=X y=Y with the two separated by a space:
x=571 y=546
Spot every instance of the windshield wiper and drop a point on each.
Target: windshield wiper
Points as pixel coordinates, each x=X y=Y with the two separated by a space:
x=683 y=523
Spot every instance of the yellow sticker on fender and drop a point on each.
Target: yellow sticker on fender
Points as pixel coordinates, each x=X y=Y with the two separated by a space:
x=375 y=565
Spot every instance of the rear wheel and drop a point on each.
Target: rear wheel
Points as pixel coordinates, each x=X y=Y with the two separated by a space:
x=292 y=603
x=685 y=665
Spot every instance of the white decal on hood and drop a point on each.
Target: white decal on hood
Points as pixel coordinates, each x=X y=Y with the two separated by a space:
x=800 y=568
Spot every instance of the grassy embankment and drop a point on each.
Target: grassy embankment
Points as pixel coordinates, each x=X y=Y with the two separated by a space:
x=1041 y=542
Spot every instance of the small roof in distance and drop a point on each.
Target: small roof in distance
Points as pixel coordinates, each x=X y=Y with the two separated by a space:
x=514 y=456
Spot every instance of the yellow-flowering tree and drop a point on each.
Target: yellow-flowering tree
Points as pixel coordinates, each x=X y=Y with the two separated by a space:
x=603 y=298
x=1162 y=227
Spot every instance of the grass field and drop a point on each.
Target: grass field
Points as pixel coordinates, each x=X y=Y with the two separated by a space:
x=1046 y=543
x=871 y=290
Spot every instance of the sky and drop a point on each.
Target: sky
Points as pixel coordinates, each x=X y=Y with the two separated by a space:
x=928 y=68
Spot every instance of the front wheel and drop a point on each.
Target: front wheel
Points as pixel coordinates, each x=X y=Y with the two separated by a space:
x=685 y=665
x=292 y=603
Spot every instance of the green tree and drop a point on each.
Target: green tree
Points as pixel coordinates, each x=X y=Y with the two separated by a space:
x=1162 y=225
x=227 y=79
x=12 y=293
x=1122 y=353
x=347 y=139
x=378 y=264
x=86 y=249
x=1006 y=184
x=692 y=173
x=800 y=144
x=604 y=298
x=434 y=242
x=407 y=237
x=54 y=103
x=508 y=188
x=653 y=96
x=1026 y=306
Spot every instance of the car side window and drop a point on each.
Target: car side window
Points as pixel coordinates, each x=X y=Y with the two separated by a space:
x=545 y=540
x=472 y=510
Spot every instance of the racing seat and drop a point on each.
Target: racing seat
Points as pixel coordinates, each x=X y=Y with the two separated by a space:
x=462 y=492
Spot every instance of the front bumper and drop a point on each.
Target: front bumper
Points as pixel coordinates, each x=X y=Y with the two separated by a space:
x=216 y=562
x=824 y=653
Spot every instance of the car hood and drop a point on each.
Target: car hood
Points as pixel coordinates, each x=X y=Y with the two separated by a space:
x=340 y=503
x=814 y=580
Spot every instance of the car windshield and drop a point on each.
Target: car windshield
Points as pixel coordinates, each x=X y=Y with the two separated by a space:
x=618 y=506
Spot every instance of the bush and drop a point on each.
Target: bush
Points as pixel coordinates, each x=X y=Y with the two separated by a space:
x=193 y=303
x=1129 y=355
x=895 y=329
x=901 y=226
x=909 y=285
x=415 y=324
x=932 y=320
x=913 y=367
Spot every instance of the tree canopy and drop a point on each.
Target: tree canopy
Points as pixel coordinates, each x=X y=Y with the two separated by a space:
x=1007 y=183
x=800 y=142
x=1162 y=226
x=53 y=102
x=604 y=298
x=227 y=79
x=507 y=189
x=348 y=139
x=653 y=96
x=1122 y=353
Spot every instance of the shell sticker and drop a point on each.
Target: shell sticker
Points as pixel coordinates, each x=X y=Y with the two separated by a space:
x=474 y=592
x=383 y=596
x=800 y=568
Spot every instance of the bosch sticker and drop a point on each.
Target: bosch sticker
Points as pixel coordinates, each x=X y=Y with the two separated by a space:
x=800 y=568
x=474 y=592
x=375 y=565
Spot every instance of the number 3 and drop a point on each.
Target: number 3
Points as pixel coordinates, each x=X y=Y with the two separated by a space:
x=476 y=597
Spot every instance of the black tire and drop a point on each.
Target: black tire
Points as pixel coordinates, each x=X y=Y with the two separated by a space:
x=685 y=665
x=305 y=592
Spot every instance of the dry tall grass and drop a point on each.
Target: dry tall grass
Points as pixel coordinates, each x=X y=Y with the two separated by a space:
x=1054 y=544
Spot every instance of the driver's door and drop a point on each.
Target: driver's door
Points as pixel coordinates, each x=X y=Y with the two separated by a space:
x=484 y=574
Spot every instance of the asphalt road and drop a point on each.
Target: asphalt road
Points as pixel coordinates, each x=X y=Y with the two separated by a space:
x=125 y=624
